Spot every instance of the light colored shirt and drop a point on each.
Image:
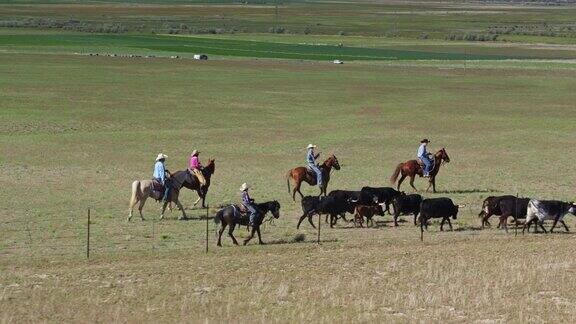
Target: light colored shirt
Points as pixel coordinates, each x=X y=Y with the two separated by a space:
x=246 y=200
x=159 y=171
x=195 y=163
x=422 y=151
x=311 y=158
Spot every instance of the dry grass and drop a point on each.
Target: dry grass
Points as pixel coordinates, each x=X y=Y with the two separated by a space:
x=75 y=132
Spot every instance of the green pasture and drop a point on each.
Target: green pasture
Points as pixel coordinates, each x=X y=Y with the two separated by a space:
x=75 y=131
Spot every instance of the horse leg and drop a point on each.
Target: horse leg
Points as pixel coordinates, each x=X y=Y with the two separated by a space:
x=259 y=237
x=140 y=207
x=432 y=182
x=222 y=228
x=251 y=235
x=442 y=224
x=182 y=209
x=400 y=181
x=163 y=210
x=412 y=183
x=230 y=231
x=133 y=203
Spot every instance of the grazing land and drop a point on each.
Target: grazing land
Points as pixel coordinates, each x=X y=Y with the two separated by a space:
x=76 y=130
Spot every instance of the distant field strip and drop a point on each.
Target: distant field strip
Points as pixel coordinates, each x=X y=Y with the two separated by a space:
x=227 y=47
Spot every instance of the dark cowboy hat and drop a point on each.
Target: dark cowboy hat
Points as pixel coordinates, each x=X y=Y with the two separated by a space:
x=425 y=141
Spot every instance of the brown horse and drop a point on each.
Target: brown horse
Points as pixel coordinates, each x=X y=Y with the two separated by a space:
x=412 y=168
x=300 y=174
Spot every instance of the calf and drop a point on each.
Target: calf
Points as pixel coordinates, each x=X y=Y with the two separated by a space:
x=541 y=210
x=437 y=208
x=405 y=205
x=503 y=206
x=312 y=205
x=384 y=195
x=368 y=212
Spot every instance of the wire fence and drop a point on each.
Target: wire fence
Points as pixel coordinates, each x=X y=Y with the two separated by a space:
x=92 y=235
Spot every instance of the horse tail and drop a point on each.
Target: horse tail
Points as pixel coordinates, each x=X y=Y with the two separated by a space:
x=218 y=216
x=288 y=180
x=134 y=196
x=396 y=173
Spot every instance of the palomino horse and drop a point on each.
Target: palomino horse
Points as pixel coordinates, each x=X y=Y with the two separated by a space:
x=300 y=174
x=412 y=168
x=142 y=189
x=230 y=216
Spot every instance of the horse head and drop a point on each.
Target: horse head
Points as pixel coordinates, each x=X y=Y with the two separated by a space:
x=274 y=207
x=443 y=156
x=332 y=162
x=209 y=168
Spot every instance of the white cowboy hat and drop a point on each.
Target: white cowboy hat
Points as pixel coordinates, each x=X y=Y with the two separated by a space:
x=195 y=152
x=244 y=187
x=311 y=146
x=161 y=156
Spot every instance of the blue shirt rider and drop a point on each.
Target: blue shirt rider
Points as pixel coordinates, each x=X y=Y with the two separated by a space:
x=160 y=174
x=425 y=157
x=311 y=157
x=248 y=202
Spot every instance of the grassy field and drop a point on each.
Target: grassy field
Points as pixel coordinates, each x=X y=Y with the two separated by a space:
x=76 y=130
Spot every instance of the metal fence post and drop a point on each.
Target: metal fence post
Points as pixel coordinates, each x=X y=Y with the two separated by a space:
x=88 y=236
x=207 y=213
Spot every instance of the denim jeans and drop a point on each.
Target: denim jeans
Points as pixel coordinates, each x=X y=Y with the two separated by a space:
x=167 y=187
x=253 y=214
x=427 y=164
x=318 y=174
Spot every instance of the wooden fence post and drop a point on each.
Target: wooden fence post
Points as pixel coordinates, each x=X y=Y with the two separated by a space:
x=88 y=236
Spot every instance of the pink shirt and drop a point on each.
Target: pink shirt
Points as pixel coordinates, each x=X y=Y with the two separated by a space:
x=195 y=163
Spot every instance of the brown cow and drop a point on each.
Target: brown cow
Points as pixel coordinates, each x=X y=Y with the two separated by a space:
x=368 y=212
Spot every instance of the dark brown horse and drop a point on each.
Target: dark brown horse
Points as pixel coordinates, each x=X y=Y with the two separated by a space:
x=300 y=174
x=412 y=168
x=202 y=191
x=230 y=216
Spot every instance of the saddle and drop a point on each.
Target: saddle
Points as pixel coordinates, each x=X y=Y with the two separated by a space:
x=157 y=190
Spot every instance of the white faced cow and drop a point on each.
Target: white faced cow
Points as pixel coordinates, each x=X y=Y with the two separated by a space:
x=541 y=210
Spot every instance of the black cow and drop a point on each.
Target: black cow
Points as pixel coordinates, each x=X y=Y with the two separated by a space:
x=384 y=195
x=405 y=205
x=503 y=206
x=349 y=198
x=437 y=208
x=312 y=205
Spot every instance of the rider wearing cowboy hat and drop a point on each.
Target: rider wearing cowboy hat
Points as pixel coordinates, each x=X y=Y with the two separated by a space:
x=248 y=203
x=311 y=157
x=160 y=174
x=196 y=167
x=424 y=156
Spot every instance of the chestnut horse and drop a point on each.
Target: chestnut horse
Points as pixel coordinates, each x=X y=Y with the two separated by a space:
x=300 y=174
x=412 y=168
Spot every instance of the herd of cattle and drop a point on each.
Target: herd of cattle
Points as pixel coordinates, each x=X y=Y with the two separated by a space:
x=371 y=201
